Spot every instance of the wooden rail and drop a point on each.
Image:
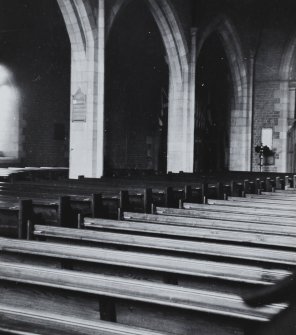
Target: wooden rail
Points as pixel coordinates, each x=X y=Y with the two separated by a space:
x=254 y=236
x=136 y=260
x=178 y=246
x=28 y=321
x=135 y=290
x=224 y=215
x=270 y=228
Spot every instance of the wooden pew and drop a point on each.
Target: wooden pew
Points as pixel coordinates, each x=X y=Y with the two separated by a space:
x=223 y=276
x=216 y=188
x=288 y=208
x=170 y=193
x=112 y=197
x=179 y=180
x=287 y=191
x=242 y=210
x=267 y=235
x=113 y=202
x=273 y=196
x=275 y=227
x=165 y=195
x=50 y=211
x=224 y=215
x=14 y=216
x=173 y=246
x=263 y=199
x=69 y=293
x=50 y=195
x=29 y=321
x=58 y=209
x=282 y=194
x=109 y=200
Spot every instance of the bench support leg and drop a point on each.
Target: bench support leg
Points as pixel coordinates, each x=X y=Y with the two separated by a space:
x=147 y=200
x=107 y=310
x=25 y=214
x=96 y=206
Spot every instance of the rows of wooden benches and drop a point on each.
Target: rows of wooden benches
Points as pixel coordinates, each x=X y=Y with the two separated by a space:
x=78 y=291
x=171 y=272
x=183 y=176
x=251 y=185
x=42 y=233
x=256 y=182
x=214 y=302
x=59 y=205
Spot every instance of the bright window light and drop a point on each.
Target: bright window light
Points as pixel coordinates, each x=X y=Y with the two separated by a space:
x=9 y=114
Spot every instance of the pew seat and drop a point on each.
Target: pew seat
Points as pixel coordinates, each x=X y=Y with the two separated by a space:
x=273 y=207
x=243 y=210
x=47 y=289
x=174 y=246
x=269 y=237
x=139 y=264
x=260 y=227
x=24 y=321
x=223 y=215
x=253 y=198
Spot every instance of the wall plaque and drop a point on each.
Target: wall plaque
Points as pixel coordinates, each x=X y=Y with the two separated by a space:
x=79 y=106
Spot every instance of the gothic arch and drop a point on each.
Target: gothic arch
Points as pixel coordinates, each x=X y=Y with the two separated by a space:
x=177 y=52
x=241 y=113
x=87 y=36
x=229 y=38
x=169 y=27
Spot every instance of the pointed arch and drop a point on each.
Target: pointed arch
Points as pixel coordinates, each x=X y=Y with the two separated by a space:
x=223 y=26
x=241 y=110
x=168 y=23
x=179 y=156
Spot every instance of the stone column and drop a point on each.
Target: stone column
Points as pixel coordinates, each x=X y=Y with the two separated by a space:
x=87 y=102
x=192 y=100
x=281 y=129
x=180 y=123
x=98 y=159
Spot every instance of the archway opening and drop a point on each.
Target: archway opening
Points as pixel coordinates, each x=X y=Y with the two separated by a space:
x=213 y=105
x=136 y=100
x=291 y=112
x=35 y=56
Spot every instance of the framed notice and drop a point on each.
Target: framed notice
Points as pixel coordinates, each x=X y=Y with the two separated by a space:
x=79 y=106
x=266 y=137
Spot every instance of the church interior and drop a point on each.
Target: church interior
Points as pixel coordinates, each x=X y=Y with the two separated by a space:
x=147 y=167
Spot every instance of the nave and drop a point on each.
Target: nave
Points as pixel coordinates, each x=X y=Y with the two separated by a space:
x=147 y=167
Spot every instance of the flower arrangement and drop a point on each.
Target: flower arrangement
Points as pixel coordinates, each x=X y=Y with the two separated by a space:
x=264 y=150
